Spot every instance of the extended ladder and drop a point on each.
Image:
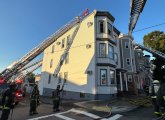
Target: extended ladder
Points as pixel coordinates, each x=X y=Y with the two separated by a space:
x=8 y=73
x=64 y=55
x=154 y=52
x=24 y=74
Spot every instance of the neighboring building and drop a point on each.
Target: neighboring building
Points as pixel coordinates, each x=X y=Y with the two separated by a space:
x=37 y=78
x=90 y=67
x=142 y=69
x=128 y=68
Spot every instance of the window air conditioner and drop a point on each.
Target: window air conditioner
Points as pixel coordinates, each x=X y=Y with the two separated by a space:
x=58 y=43
x=88 y=46
x=89 y=72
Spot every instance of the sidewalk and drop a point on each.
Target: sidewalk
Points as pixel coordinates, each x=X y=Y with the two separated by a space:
x=118 y=105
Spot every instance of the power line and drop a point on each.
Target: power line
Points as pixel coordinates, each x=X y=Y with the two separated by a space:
x=149 y=27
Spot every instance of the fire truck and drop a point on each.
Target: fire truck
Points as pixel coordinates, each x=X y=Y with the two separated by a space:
x=19 y=81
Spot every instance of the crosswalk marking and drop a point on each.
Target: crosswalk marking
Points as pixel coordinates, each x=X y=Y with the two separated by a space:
x=85 y=113
x=115 y=117
x=42 y=117
x=63 y=117
x=60 y=115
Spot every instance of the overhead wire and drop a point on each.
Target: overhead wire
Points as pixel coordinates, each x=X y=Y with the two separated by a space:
x=149 y=27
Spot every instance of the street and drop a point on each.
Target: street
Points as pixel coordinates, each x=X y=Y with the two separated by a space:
x=21 y=112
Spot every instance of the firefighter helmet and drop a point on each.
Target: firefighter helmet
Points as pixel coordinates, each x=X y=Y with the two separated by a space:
x=156 y=82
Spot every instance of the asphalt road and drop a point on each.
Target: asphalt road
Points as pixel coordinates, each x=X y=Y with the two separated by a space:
x=21 y=112
x=139 y=114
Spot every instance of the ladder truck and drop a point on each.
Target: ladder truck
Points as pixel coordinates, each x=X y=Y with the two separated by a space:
x=19 y=94
x=16 y=67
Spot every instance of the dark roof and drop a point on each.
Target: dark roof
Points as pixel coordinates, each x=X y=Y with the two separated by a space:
x=116 y=30
x=105 y=13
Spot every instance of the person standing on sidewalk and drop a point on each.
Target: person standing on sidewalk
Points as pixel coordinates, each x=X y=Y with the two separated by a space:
x=34 y=100
x=8 y=101
x=56 y=98
x=153 y=93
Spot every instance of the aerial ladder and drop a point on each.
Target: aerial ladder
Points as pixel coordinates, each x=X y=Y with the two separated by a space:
x=25 y=72
x=64 y=55
x=9 y=72
x=150 y=50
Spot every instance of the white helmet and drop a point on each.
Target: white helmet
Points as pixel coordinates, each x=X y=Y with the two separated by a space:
x=156 y=82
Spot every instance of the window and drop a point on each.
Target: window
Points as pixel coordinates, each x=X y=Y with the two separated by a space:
x=126 y=44
x=82 y=95
x=63 y=43
x=116 y=58
x=139 y=55
x=103 y=76
x=101 y=26
x=51 y=63
x=49 y=79
x=128 y=61
x=112 y=77
x=59 y=78
x=67 y=59
x=53 y=49
x=129 y=78
x=111 y=51
x=109 y=29
x=102 y=52
x=65 y=76
x=68 y=39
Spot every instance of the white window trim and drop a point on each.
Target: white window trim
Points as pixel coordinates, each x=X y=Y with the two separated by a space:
x=106 y=78
x=114 y=77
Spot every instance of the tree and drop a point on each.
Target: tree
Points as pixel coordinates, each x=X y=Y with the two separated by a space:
x=31 y=78
x=156 y=40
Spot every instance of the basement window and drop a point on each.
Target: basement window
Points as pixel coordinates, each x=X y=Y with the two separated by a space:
x=82 y=95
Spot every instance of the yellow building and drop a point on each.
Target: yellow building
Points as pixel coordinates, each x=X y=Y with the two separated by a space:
x=90 y=66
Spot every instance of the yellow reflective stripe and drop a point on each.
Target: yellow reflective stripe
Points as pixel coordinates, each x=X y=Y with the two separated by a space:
x=164 y=97
x=153 y=96
x=157 y=113
x=6 y=108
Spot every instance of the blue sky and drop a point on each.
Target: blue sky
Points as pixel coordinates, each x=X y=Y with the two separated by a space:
x=26 y=23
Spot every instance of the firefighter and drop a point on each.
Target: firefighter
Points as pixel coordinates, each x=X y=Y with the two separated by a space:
x=161 y=95
x=153 y=93
x=146 y=89
x=161 y=100
x=34 y=100
x=56 y=98
x=8 y=101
